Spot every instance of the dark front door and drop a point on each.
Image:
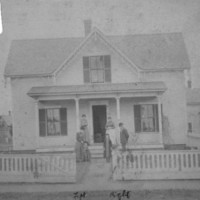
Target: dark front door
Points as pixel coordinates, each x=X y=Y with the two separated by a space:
x=99 y=122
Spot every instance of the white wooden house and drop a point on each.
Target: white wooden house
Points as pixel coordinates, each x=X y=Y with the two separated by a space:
x=135 y=79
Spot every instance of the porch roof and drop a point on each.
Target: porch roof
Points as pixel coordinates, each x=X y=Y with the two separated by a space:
x=104 y=88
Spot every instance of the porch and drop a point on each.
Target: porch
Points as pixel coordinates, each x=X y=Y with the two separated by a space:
x=137 y=105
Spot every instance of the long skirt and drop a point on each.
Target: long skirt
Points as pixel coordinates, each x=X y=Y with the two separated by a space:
x=86 y=130
x=82 y=152
x=79 y=151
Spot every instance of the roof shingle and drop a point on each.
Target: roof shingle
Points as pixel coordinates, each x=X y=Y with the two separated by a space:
x=154 y=51
x=39 y=56
x=148 y=52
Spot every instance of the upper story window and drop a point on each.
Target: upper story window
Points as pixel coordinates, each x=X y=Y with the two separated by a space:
x=146 y=118
x=53 y=122
x=97 y=69
x=190 y=127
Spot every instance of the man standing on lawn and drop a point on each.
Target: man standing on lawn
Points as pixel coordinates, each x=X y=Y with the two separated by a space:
x=123 y=136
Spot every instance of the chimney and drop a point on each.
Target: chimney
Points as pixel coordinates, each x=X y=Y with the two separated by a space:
x=87 y=26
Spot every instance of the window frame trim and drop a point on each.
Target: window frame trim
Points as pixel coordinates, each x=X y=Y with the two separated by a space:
x=96 y=69
x=104 y=69
x=145 y=103
x=45 y=107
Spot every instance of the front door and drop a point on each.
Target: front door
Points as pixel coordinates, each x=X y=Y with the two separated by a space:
x=99 y=122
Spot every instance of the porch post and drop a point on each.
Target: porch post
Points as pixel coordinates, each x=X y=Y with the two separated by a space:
x=36 y=123
x=118 y=108
x=160 y=119
x=77 y=114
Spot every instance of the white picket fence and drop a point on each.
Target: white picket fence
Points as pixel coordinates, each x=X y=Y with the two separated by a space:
x=38 y=167
x=162 y=164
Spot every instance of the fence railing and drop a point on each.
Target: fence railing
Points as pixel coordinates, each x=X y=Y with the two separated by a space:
x=38 y=167
x=162 y=164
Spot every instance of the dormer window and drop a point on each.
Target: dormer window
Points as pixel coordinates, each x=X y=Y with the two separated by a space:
x=97 y=69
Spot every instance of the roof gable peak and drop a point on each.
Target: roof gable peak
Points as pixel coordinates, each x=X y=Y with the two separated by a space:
x=95 y=33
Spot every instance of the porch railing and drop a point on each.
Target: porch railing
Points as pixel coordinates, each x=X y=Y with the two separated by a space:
x=38 y=167
x=162 y=164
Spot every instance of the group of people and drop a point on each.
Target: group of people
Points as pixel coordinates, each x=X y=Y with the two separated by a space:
x=111 y=141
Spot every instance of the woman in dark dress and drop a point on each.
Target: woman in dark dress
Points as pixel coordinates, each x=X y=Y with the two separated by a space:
x=82 y=150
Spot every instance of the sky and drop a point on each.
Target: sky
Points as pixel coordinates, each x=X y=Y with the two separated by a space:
x=64 y=18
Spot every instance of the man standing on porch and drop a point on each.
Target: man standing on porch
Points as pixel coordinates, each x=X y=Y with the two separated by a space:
x=123 y=136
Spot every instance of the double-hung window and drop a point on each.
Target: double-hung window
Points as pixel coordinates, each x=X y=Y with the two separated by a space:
x=97 y=69
x=53 y=122
x=146 y=118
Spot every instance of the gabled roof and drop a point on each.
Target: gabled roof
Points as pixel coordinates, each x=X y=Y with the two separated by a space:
x=154 y=51
x=96 y=33
x=97 y=88
x=38 y=56
x=148 y=52
x=193 y=96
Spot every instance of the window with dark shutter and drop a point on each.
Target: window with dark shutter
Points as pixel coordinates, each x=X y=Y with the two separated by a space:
x=63 y=121
x=190 y=127
x=97 y=69
x=86 y=69
x=146 y=118
x=137 y=117
x=107 y=62
x=53 y=122
x=155 y=117
x=42 y=122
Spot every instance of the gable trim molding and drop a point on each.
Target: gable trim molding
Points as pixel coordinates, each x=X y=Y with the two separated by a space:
x=96 y=32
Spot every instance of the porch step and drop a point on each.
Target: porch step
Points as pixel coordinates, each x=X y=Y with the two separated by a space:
x=96 y=151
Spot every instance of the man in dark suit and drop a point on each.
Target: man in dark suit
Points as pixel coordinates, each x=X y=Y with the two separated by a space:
x=123 y=136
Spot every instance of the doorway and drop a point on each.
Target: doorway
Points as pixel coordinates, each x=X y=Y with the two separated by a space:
x=99 y=122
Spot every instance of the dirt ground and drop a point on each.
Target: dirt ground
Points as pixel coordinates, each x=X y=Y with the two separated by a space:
x=105 y=195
